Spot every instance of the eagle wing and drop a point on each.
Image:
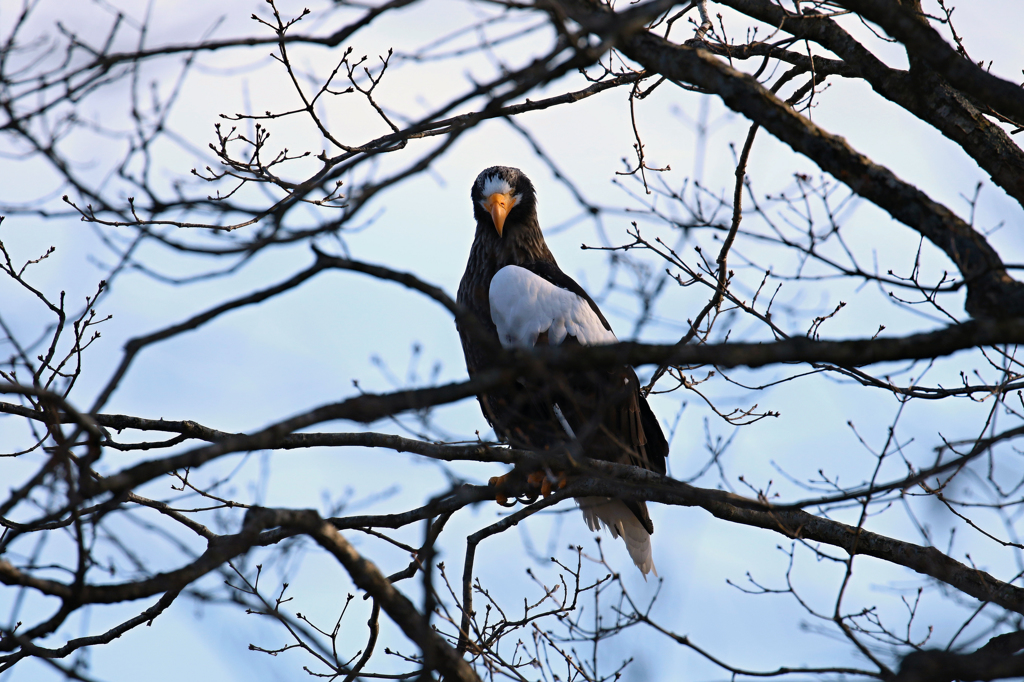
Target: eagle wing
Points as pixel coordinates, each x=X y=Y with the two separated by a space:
x=525 y=305
x=601 y=409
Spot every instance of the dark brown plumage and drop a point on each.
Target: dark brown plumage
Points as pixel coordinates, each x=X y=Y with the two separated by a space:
x=599 y=413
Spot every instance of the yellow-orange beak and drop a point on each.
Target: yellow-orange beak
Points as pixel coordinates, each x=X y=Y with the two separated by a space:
x=498 y=205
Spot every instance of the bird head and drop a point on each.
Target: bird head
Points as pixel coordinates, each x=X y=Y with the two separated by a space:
x=500 y=191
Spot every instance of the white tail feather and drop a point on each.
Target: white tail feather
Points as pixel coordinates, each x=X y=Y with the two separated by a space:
x=616 y=516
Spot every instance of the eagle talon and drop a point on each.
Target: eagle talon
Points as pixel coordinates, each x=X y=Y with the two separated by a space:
x=536 y=479
x=548 y=487
x=547 y=483
x=499 y=482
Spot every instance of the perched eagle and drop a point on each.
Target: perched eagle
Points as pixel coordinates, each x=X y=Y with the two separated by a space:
x=514 y=287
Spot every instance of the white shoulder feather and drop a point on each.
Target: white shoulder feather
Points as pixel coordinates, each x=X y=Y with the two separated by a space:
x=524 y=305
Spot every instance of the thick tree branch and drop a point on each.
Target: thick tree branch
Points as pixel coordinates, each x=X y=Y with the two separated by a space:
x=851 y=353
x=366 y=408
x=30 y=649
x=364 y=574
x=370 y=407
x=438 y=654
x=920 y=92
x=618 y=480
x=991 y=291
x=219 y=550
x=924 y=42
x=998 y=659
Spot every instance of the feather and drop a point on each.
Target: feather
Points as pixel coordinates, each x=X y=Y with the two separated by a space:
x=525 y=305
x=617 y=517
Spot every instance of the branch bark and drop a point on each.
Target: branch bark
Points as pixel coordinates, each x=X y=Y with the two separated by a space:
x=438 y=654
x=999 y=658
x=629 y=482
x=922 y=92
x=991 y=291
x=924 y=42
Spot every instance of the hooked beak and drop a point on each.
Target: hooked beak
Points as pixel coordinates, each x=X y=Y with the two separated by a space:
x=498 y=205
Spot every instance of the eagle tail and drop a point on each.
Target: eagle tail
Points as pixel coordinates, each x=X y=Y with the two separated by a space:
x=622 y=522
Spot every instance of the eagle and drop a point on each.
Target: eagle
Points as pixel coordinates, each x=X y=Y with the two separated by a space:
x=515 y=289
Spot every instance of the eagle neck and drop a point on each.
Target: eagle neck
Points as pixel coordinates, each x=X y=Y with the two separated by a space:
x=522 y=243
